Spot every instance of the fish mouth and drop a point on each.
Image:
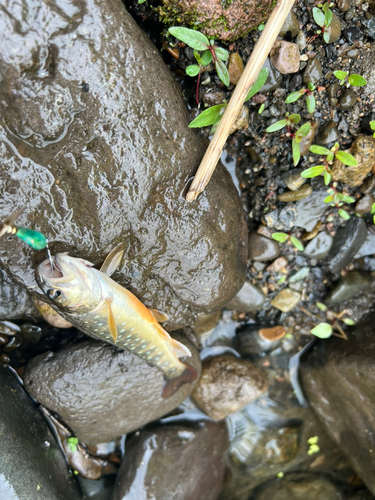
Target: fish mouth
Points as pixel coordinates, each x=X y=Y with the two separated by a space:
x=53 y=271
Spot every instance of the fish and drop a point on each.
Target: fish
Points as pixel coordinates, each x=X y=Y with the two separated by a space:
x=101 y=308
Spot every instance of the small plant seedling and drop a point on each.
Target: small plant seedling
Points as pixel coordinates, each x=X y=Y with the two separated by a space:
x=330 y=154
x=313 y=445
x=199 y=43
x=323 y=17
x=310 y=98
x=141 y=1
x=72 y=443
x=325 y=330
x=372 y=126
x=373 y=212
x=353 y=80
x=212 y=115
x=289 y=121
x=337 y=199
x=283 y=237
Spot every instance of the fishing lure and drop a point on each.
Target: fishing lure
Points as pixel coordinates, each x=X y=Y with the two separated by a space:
x=34 y=239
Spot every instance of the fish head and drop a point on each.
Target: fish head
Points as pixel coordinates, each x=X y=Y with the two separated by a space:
x=70 y=283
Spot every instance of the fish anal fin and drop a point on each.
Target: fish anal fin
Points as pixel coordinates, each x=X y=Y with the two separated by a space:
x=171 y=385
x=111 y=322
x=113 y=260
x=180 y=349
x=159 y=315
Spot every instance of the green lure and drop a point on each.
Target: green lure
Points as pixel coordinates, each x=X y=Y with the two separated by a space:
x=34 y=239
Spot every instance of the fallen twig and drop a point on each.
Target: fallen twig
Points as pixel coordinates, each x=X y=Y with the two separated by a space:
x=248 y=78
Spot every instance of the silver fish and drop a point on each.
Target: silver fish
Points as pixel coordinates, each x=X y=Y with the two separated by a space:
x=101 y=308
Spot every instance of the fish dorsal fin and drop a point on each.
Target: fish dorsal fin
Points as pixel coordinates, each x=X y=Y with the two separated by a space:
x=111 y=322
x=180 y=349
x=113 y=260
x=159 y=315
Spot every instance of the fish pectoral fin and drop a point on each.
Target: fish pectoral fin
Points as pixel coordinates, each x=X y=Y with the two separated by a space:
x=111 y=322
x=159 y=315
x=180 y=349
x=113 y=260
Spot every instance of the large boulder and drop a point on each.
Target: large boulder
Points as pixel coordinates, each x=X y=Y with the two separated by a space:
x=94 y=142
x=339 y=380
x=32 y=466
x=102 y=392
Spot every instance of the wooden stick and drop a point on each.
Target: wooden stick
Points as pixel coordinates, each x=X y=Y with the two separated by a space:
x=248 y=78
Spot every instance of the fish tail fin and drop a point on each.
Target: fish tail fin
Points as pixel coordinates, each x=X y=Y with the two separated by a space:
x=171 y=385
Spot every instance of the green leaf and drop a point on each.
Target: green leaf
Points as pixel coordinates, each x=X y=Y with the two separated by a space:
x=295 y=241
x=209 y=116
x=330 y=156
x=294 y=119
x=141 y=1
x=261 y=109
x=310 y=102
x=344 y=214
x=296 y=152
x=329 y=198
x=294 y=96
x=221 y=54
x=357 y=80
x=319 y=150
x=346 y=158
x=341 y=75
x=313 y=172
x=261 y=27
x=372 y=125
x=313 y=440
x=192 y=70
x=326 y=37
x=260 y=81
x=311 y=86
x=319 y=17
x=277 y=126
x=373 y=209
x=314 y=448
x=281 y=237
x=198 y=57
x=349 y=321
x=304 y=130
x=321 y=306
x=193 y=38
x=327 y=177
x=344 y=198
x=323 y=331
x=373 y=219
x=327 y=17
x=222 y=72
x=206 y=58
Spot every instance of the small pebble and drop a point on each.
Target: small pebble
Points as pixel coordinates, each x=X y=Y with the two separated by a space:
x=327 y=133
x=364 y=205
x=299 y=275
x=286 y=300
x=278 y=265
x=291 y=25
x=344 y=5
x=235 y=68
x=300 y=41
x=348 y=287
x=293 y=180
x=334 y=29
x=285 y=57
x=301 y=193
x=242 y=120
x=347 y=99
x=261 y=248
x=320 y=246
x=313 y=72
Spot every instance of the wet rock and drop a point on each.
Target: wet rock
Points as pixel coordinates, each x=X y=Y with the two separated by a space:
x=300 y=41
x=307 y=141
x=291 y=25
x=328 y=133
x=235 y=68
x=227 y=384
x=289 y=196
x=15 y=302
x=365 y=123
x=280 y=264
x=254 y=340
x=285 y=57
x=368 y=247
x=347 y=99
x=98 y=489
x=344 y=5
x=319 y=246
x=242 y=120
x=213 y=98
x=313 y=72
x=104 y=165
x=286 y=300
x=350 y=34
x=345 y=404
x=332 y=93
x=368 y=186
x=206 y=322
x=299 y=275
x=310 y=209
x=176 y=462
x=363 y=150
x=334 y=29
x=249 y=299
x=125 y=389
x=364 y=205
x=274 y=78
x=293 y=180
x=348 y=287
x=301 y=487
x=346 y=243
x=227 y=21
x=262 y=248
x=32 y=465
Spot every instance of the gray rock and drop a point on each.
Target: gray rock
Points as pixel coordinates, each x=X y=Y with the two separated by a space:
x=100 y=153
x=15 y=301
x=319 y=246
x=274 y=78
x=290 y=25
x=348 y=287
x=346 y=243
x=347 y=99
x=250 y=298
x=313 y=72
x=262 y=248
x=368 y=247
x=32 y=466
x=328 y=133
x=345 y=405
x=100 y=391
x=174 y=462
x=287 y=216
x=254 y=340
x=310 y=210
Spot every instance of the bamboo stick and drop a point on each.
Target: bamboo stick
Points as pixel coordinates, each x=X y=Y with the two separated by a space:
x=248 y=78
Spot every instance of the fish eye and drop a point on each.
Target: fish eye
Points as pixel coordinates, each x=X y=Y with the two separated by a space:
x=54 y=294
